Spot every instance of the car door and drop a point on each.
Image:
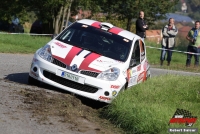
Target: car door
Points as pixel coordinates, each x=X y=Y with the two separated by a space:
x=142 y=68
x=135 y=68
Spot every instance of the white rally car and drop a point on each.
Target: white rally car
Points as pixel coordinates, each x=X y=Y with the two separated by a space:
x=92 y=59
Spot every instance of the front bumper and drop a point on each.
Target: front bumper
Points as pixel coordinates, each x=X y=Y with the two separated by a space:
x=92 y=88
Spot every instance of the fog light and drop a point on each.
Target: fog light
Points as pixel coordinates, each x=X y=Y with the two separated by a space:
x=106 y=93
x=35 y=69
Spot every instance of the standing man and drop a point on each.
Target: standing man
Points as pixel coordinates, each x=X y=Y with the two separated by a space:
x=168 y=41
x=14 y=24
x=141 y=26
x=194 y=44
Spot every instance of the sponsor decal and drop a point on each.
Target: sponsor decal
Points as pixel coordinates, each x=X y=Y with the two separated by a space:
x=114 y=93
x=60 y=45
x=183 y=116
x=105 y=61
x=104 y=98
x=109 y=61
x=141 y=77
x=114 y=86
x=145 y=65
x=139 y=68
x=115 y=30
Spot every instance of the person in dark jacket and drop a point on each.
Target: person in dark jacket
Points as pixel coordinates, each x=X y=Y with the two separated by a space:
x=141 y=26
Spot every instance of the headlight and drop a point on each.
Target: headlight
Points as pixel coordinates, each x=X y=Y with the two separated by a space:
x=45 y=53
x=110 y=74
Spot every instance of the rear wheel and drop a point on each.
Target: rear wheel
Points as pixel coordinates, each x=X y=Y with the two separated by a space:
x=32 y=81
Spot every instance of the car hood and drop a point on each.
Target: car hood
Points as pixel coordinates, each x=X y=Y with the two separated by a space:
x=82 y=59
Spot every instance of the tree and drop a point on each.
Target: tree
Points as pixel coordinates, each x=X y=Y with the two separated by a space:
x=129 y=9
x=194 y=6
x=8 y=8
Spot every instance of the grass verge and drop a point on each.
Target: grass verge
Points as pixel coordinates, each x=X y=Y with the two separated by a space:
x=21 y=43
x=148 y=107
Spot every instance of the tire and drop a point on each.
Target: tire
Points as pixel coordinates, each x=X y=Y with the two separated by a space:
x=32 y=81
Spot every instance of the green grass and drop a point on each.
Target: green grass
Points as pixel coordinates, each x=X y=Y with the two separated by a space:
x=178 y=61
x=10 y=43
x=148 y=107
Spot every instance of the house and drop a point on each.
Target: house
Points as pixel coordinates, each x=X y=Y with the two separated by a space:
x=183 y=31
x=154 y=35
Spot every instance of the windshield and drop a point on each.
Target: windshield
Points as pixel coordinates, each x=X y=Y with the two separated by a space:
x=97 y=40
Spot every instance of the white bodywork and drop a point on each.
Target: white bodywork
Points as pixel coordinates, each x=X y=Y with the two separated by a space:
x=77 y=82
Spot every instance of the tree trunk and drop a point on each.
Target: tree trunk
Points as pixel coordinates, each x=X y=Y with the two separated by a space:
x=128 y=26
x=63 y=19
x=56 y=30
x=68 y=13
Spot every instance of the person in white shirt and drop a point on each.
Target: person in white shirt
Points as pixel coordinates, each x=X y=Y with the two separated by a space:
x=15 y=20
x=14 y=27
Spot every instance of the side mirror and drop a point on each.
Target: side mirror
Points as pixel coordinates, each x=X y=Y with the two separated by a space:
x=133 y=63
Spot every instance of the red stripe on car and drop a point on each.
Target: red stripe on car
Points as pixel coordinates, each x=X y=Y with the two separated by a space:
x=115 y=30
x=70 y=56
x=86 y=62
x=96 y=24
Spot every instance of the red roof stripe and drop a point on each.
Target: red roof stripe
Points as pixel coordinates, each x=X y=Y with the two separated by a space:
x=96 y=24
x=115 y=30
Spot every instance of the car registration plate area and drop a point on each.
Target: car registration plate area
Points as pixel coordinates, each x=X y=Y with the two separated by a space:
x=70 y=76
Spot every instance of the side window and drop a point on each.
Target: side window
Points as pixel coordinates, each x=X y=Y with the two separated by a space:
x=142 y=51
x=136 y=52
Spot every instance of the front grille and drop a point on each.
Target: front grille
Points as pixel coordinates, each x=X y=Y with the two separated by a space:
x=69 y=83
x=58 y=63
x=89 y=73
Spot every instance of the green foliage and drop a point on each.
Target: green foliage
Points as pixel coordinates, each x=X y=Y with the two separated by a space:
x=147 y=108
x=129 y=9
x=9 y=8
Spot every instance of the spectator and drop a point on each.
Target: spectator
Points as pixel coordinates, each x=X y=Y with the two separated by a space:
x=168 y=41
x=15 y=23
x=194 y=44
x=141 y=26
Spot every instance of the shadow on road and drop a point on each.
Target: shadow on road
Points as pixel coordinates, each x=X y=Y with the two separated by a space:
x=22 y=78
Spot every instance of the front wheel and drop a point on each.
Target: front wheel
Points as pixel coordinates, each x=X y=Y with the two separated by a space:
x=32 y=81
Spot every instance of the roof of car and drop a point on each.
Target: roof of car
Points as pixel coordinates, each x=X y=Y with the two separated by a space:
x=114 y=29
